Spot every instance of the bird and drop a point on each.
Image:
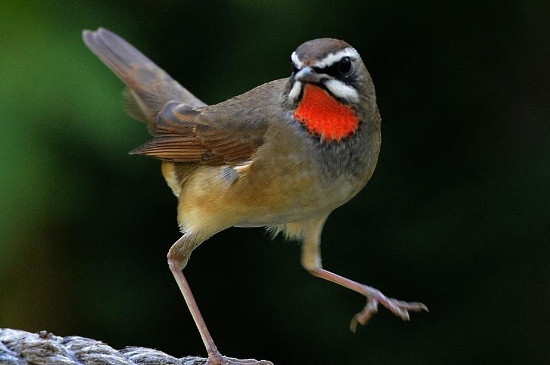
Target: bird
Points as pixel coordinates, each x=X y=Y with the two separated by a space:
x=283 y=155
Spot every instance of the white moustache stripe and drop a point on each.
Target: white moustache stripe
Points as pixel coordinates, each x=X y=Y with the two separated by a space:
x=295 y=91
x=342 y=91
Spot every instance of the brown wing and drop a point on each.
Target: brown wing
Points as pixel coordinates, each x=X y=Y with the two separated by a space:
x=150 y=87
x=185 y=130
x=227 y=133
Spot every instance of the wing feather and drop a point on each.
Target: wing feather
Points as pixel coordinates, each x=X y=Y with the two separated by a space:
x=203 y=136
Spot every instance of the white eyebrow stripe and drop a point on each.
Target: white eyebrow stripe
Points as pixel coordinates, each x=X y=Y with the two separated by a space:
x=331 y=58
x=296 y=60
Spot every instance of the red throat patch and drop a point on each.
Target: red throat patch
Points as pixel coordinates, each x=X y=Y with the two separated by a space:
x=325 y=116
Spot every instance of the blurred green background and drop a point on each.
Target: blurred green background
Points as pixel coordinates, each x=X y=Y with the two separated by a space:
x=457 y=214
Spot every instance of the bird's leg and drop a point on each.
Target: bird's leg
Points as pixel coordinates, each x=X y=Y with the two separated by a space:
x=311 y=261
x=177 y=259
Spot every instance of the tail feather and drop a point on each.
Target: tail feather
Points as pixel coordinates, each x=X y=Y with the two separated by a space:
x=150 y=87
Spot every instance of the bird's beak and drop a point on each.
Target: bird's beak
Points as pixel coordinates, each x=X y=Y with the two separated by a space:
x=308 y=74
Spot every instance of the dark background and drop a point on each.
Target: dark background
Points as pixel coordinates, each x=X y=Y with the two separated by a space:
x=457 y=214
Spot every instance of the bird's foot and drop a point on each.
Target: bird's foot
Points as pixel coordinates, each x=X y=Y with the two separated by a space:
x=218 y=359
x=375 y=297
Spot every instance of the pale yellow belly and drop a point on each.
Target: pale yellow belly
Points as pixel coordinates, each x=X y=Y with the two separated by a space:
x=260 y=196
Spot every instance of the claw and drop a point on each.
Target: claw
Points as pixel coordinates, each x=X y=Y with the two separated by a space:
x=398 y=307
x=365 y=315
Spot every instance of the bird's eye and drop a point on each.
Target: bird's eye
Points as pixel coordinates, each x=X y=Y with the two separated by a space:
x=344 y=66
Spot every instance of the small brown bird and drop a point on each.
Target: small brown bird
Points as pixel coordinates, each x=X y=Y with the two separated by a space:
x=283 y=155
